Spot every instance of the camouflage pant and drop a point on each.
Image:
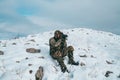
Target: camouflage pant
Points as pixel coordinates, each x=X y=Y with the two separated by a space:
x=62 y=53
x=58 y=55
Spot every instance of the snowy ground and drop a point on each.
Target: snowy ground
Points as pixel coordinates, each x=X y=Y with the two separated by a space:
x=99 y=47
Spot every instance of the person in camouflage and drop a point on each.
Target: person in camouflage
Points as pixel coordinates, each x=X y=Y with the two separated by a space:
x=59 y=49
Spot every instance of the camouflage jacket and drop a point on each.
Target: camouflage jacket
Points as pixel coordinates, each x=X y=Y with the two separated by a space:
x=56 y=45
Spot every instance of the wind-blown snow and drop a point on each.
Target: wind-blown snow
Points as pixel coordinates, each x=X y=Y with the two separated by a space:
x=98 y=46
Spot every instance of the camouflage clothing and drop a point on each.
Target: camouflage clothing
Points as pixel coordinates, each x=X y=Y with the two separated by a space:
x=59 y=49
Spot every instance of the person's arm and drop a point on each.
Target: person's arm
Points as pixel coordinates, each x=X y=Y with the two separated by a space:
x=55 y=44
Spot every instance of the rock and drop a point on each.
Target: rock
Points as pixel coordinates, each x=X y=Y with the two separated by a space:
x=1 y=53
x=50 y=33
x=32 y=40
x=87 y=33
x=47 y=44
x=33 y=50
x=78 y=48
x=26 y=43
x=83 y=56
x=118 y=76
x=82 y=64
x=108 y=62
x=42 y=57
x=108 y=73
x=39 y=74
x=26 y=58
x=37 y=44
x=30 y=71
x=29 y=64
x=105 y=45
x=13 y=43
x=110 y=34
x=17 y=61
x=92 y=56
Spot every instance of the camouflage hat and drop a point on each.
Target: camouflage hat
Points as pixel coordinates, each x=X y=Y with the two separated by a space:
x=57 y=32
x=70 y=48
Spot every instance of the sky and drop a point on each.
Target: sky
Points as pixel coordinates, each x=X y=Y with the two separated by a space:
x=33 y=16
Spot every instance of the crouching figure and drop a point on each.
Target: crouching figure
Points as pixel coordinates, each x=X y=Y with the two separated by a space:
x=59 y=49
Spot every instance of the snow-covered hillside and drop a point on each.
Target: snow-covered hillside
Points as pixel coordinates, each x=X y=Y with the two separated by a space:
x=98 y=51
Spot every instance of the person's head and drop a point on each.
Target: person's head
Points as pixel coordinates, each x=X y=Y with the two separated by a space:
x=57 y=34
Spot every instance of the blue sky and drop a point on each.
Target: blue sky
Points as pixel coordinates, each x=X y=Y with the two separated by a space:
x=96 y=14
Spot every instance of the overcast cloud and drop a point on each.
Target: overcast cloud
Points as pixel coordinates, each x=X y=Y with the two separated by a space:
x=95 y=14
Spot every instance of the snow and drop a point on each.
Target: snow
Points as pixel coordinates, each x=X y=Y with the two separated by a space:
x=98 y=46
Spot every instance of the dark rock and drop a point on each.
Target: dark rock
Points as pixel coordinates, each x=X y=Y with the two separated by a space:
x=26 y=58
x=33 y=50
x=50 y=32
x=37 y=44
x=17 y=61
x=108 y=62
x=13 y=43
x=78 y=48
x=29 y=64
x=92 y=56
x=41 y=57
x=27 y=43
x=83 y=55
x=110 y=34
x=87 y=33
x=47 y=44
x=30 y=71
x=118 y=76
x=105 y=46
x=1 y=53
x=108 y=73
x=82 y=64
x=32 y=40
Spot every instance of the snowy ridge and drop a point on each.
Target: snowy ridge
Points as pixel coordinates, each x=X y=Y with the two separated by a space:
x=99 y=48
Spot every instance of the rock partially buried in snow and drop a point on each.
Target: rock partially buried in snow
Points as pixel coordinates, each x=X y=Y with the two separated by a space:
x=39 y=74
x=118 y=76
x=17 y=61
x=1 y=53
x=32 y=40
x=108 y=62
x=82 y=64
x=29 y=64
x=108 y=73
x=13 y=43
x=30 y=71
x=33 y=50
x=83 y=55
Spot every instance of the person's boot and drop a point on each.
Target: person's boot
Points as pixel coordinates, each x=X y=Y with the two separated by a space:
x=71 y=59
x=75 y=63
x=72 y=62
x=62 y=65
x=64 y=68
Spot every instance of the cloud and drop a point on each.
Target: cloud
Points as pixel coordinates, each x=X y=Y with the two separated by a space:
x=79 y=12
x=97 y=14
